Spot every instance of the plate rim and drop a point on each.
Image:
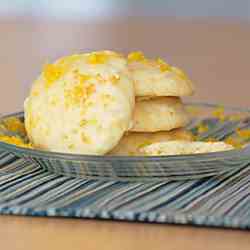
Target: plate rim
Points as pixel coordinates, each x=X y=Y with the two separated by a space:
x=223 y=155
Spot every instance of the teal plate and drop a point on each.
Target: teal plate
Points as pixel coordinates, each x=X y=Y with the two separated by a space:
x=125 y=168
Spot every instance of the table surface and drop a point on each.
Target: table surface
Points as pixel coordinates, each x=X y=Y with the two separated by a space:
x=214 y=53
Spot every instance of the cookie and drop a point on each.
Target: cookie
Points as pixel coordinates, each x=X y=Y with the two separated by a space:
x=184 y=147
x=132 y=142
x=159 y=114
x=81 y=104
x=157 y=78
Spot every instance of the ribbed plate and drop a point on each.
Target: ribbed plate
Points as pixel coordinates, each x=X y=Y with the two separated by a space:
x=184 y=167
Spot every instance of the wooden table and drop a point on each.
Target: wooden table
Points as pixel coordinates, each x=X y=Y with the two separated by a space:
x=214 y=53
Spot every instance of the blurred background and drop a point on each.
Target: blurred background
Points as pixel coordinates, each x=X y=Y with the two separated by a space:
x=210 y=40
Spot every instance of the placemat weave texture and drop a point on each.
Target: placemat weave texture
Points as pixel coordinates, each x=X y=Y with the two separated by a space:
x=222 y=201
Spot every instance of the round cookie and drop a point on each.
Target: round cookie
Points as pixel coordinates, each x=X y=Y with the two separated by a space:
x=184 y=147
x=159 y=114
x=132 y=142
x=157 y=78
x=81 y=104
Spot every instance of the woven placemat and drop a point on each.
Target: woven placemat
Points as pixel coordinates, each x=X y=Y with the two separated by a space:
x=222 y=201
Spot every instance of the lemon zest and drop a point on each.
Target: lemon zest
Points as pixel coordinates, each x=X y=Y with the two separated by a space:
x=67 y=61
x=83 y=123
x=202 y=128
x=243 y=133
x=85 y=138
x=115 y=79
x=14 y=124
x=97 y=58
x=71 y=146
x=235 y=142
x=235 y=117
x=219 y=113
x=15 y=141
x=136 y=56
x=211 y=139
x=51 y=73
x=163 y=65
x=80 y=91
x=144 y=144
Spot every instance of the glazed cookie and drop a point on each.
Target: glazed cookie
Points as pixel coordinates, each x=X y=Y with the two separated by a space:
x=159 y=114
x=132 y=142
x=81 y=104
x=184 y=147
x=157 y=78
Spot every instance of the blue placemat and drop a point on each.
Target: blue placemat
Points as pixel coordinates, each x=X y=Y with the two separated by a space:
x=222 y=201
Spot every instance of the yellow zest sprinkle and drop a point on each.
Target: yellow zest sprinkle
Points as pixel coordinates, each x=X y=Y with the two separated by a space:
x=34 y=93
x=195 y=137
x=14 y=140
x=93 y=122
x=85 y=139
x=211 y=139
x=219 y=113
x=163 y=65
x=89 y=122
x=68 y=61
x=235 y=142
x=75 y=95
x=136 y=56
x=202 y=128
x=235 y=117
x=131 y=153
x=52 y=73
x=179 y=72
x=243 y=133
x=115 y=79
x=54 y=101
x=13 y=124
x=71 y=146
x=83 y=78
x=65 y=137
x=99 y=78
x=80 y=92
x=90 y=90
x=144 y=144
x=97 y=58
x=83 y=123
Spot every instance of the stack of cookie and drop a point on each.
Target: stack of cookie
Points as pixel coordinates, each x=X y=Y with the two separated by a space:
x=159 y=113
x=104 y=103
